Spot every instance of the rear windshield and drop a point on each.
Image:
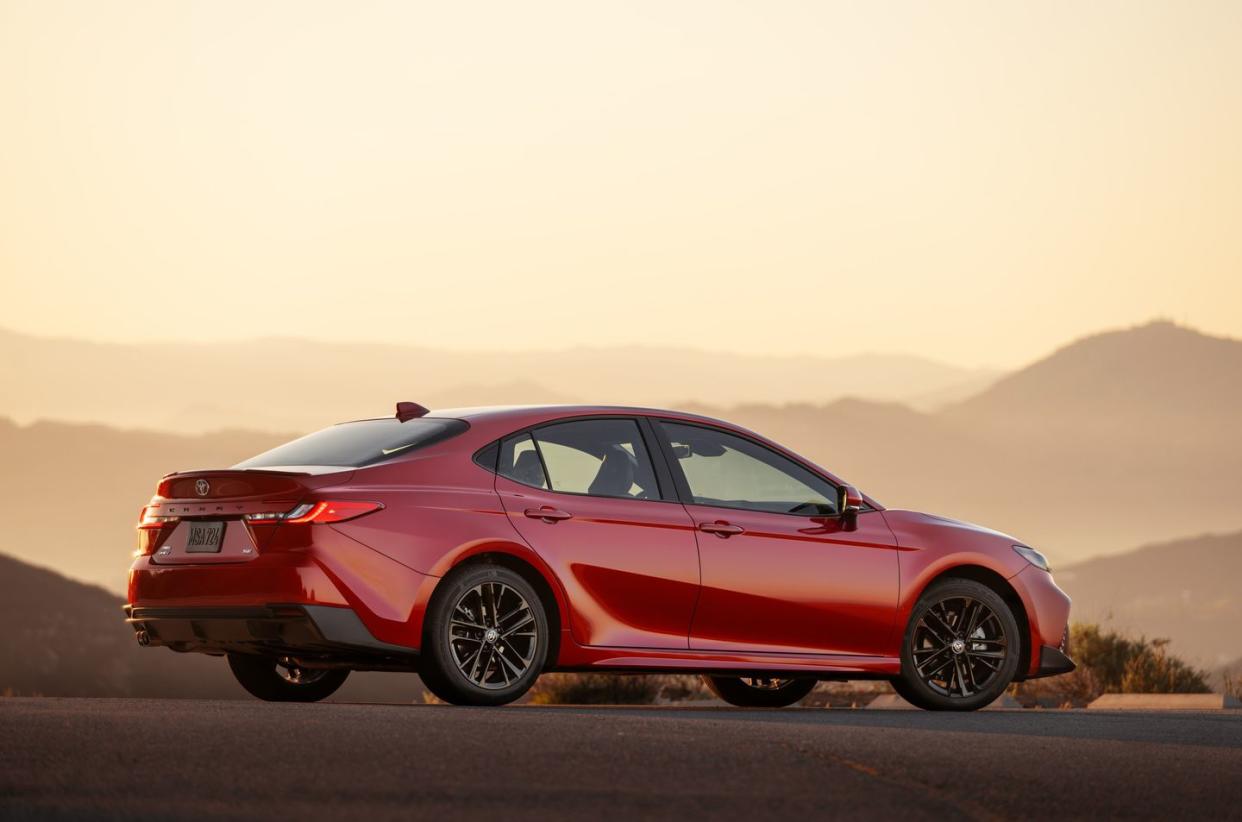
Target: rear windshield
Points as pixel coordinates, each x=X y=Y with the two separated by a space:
x=355 y=444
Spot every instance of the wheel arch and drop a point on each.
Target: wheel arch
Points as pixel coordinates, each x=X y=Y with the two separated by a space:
x=549 y=595
x=1002 y=587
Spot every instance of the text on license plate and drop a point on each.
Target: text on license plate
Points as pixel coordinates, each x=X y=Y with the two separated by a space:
x=204 y=538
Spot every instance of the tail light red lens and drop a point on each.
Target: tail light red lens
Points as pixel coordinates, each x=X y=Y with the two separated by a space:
x=333 y=511
x=148 y=518
x=153 y=529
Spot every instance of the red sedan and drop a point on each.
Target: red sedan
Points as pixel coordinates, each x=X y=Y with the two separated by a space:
x=482 y=547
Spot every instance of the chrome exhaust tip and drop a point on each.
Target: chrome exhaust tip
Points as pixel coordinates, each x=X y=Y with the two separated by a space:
x=144 y=639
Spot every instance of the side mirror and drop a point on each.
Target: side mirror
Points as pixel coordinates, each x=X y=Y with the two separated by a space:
x=850 y=502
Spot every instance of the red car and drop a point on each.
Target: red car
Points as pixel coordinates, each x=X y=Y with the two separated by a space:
x=482 y=547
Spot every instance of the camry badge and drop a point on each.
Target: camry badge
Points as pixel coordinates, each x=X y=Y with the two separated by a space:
x=203 y=487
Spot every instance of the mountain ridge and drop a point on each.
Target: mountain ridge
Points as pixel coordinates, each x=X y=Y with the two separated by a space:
x=1185 y=590
x=279 y=385
x=1137 y=383
x=1074 y=491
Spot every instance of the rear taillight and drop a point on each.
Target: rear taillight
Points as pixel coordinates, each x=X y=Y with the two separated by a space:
x=331 y=511
x=153 y=529
x=149 y=519
x=315 y=512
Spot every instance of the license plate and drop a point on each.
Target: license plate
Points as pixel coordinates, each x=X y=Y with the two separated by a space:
x=205 y=538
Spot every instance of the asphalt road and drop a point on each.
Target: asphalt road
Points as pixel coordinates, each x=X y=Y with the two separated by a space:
x=184 y=759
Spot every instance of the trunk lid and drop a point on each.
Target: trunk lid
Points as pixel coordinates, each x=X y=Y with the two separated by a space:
x=227 y=496
x=268 y=484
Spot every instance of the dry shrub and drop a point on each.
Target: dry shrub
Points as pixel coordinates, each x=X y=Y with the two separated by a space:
x=1154 y=671
x=1110 y=662
x=856 y=694
x=615 y=689
x=1072 y=690
x=596 y=689
x=684 y=688
x=607 y=689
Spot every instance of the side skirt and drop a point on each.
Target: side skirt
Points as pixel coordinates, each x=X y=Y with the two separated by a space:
x=642 y=660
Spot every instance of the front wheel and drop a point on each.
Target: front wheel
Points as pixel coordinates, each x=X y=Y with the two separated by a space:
x=759 y=692
x=282 y=680
x=960 y=649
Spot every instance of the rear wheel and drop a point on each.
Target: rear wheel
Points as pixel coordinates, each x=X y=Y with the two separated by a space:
x=960 y=649
x=282 y=680
x=759 y=692
x=486 y=637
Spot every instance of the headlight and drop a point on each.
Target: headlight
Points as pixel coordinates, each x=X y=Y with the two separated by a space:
x=1032 y=556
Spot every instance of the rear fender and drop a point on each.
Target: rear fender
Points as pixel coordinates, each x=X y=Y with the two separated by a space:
x=517 y=550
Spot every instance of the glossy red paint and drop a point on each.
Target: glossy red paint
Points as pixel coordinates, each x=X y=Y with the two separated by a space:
x=934 y=546
x=795 y=584
x=630 y=567
x=631 y=584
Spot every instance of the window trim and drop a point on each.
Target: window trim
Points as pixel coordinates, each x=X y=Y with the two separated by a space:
x=683 y=485
x=654 y=449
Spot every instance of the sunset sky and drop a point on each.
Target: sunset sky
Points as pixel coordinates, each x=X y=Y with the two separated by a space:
x=974 y=182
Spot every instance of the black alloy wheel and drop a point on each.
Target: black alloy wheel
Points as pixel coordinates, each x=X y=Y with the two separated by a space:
x=486 y=637
x=961 y=648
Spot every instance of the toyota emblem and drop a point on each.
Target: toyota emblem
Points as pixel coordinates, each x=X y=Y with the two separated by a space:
x=203 y=487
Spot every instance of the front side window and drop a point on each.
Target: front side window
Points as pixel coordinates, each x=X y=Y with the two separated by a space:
x=729 y=471
x=603 y=458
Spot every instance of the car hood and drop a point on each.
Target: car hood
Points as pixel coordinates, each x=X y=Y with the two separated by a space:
x=949 y=522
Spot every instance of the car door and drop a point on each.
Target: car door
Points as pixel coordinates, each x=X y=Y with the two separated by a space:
x=584 y=495
x=780 y=572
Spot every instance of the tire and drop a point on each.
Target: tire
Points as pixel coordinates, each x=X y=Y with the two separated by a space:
x=269 y=680
x=943 y=669
x=493 y=611
x=740 y=691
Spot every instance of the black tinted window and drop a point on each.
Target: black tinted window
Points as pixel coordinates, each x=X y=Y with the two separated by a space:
x=355 y=444
x=730 y=471
x=487 y=457
x=604 y=458
x=519 y=461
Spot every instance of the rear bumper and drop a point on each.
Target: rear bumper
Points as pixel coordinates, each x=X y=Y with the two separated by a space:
x=323 y=634
x=333 y=575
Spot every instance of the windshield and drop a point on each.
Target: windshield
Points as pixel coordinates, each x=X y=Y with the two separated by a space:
x=355 y=444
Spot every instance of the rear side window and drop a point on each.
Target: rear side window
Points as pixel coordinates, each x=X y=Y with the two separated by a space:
x=357 y=444
x=602 y=458
x=519 y=461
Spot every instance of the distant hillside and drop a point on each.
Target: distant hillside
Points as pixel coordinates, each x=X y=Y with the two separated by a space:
x=70 y=494
x=1160 y=386
x=1188 y=590
x=282 y=385
x=63 y=638
x=1052 y=453
x=1074 y=494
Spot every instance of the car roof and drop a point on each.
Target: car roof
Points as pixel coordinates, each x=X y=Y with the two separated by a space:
x=497 y=420
x=529 y=414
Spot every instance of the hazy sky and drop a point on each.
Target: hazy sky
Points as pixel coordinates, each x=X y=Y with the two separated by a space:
x=977 y=182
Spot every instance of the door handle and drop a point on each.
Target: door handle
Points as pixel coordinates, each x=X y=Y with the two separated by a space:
x=721 y=529
x=547 y=513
